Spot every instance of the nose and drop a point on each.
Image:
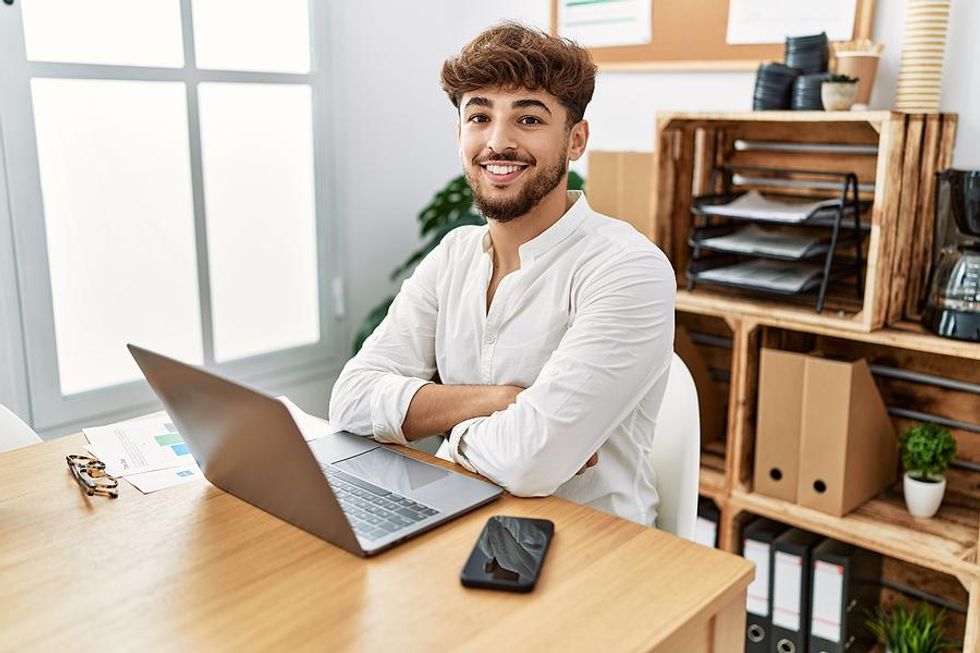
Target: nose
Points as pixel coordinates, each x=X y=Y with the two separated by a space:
x=501 y=137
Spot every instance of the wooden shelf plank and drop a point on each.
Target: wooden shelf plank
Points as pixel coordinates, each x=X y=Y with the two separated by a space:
x=706 y=302
x=904 y=335
x=946 y=543
x=783 y=116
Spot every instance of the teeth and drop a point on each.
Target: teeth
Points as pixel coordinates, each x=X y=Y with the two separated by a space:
x=502 y=170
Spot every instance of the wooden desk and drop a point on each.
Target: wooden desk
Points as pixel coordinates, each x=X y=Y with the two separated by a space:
x=195 y=569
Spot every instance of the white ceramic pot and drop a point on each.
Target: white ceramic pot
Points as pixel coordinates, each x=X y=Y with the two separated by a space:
x=923 y=497
x=838 y=96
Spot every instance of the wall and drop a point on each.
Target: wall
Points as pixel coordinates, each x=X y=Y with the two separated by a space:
x=393 y=130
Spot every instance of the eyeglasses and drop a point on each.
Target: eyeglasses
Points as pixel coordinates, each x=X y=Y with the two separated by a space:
x=91 y=475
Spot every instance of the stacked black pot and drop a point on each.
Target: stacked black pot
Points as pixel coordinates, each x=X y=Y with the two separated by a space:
x=808 y=53
x=806 y=92
x=773 y=86
x=796 y=83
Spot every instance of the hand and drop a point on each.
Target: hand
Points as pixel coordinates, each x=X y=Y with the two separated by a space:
x=591 y=462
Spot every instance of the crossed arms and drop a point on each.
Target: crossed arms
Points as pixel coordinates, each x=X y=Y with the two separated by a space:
x=531 y=440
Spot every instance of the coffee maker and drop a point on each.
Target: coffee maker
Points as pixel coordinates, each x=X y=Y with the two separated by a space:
x=953 y=305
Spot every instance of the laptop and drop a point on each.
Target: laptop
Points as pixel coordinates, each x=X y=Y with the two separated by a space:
x=345 y=488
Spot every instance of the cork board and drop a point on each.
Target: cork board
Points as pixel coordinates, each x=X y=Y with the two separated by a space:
x=690 y=35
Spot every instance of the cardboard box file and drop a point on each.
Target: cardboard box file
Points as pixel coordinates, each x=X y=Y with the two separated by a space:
x=711 y=404
x=848 y=448
x=620 y=185
x=777 y=436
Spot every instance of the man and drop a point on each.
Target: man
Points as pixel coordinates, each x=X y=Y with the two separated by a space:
x=551 y=328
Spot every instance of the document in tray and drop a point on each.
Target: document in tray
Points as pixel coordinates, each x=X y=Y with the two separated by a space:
x=772 y=275
x=754 y=204
x=773 y=242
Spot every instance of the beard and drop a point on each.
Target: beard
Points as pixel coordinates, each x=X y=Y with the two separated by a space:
x=535 y=189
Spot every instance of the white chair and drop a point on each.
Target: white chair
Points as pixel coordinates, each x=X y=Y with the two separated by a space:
x=14 y=433
x=676 y=453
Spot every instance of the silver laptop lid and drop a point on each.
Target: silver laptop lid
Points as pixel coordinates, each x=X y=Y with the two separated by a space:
x=247 y=444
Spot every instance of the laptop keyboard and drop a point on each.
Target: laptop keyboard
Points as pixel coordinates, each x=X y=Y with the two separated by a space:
x=372 y=511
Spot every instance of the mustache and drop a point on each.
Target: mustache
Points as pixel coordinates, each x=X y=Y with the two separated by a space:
x=505 y=156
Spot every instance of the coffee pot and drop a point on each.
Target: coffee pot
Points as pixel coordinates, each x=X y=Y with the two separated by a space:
x=953 y=305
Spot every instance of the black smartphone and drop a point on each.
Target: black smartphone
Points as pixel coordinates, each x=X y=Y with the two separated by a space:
x=509 y=554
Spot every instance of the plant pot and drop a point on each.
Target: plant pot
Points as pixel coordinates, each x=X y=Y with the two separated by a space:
x=923 y=497
x=838 y=96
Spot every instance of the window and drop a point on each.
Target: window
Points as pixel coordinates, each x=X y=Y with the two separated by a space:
x=165 y=170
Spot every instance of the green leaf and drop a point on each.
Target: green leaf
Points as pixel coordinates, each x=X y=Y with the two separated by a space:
x=904 y=630
x=927 y=449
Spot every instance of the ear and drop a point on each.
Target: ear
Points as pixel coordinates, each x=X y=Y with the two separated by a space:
x=459 y=136
x=578 y=139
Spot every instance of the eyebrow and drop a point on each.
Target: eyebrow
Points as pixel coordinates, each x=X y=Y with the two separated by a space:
x=516 y=104
x=478 y=102
x=524 y=104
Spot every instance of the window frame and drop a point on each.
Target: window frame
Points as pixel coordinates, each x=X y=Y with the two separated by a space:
x=49 y=409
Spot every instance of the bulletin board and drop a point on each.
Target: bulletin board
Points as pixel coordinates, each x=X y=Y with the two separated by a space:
x=691 y=35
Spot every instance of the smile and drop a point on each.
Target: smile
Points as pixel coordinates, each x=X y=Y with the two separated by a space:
x=503 y=173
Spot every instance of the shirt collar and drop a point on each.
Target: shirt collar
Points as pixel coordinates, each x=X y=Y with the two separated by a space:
x=553 y=235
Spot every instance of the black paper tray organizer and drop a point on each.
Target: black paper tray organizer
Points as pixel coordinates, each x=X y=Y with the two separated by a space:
x=778 y=244
x=727 y=249
x=728 y=205
x=788 y=280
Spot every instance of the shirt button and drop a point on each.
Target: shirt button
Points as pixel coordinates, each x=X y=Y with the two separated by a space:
x=491 y=340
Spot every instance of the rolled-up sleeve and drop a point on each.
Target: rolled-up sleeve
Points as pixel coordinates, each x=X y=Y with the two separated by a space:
x=618 y=346
x=376 y=387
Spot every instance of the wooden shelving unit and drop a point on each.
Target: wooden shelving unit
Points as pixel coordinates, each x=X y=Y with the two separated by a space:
x=947 y=544
x=900 y=155
x=894 y=156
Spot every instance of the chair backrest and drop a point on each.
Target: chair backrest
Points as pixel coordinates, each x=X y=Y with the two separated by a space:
x=676 y=453
x=14 y=433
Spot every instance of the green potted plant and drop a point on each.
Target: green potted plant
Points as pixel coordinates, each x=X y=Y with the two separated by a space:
x=904 y=630
x=450 y=208
x=927 y=450
x=838 y=92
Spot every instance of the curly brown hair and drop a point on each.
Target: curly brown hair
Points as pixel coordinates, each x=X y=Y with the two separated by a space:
x=513 y=56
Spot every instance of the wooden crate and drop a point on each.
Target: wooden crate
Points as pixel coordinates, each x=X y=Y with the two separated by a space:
x=713 y=340
x=895 y=157
x=948 y=542
x=944 y=549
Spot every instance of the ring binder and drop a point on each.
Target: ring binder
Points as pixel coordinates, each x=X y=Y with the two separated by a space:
x=757 y=539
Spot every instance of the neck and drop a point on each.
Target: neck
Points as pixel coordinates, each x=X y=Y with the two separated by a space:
x=509 y=236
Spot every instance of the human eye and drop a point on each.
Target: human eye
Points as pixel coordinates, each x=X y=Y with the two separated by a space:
x=478 y=118
x=531 y=120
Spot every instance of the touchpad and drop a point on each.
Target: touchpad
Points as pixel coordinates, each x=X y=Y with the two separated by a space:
x=392 y=471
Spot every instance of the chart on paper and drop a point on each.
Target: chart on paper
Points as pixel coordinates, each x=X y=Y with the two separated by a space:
x=140 y=445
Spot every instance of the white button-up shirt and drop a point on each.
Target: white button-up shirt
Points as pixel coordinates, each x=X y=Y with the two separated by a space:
x=586 y=325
